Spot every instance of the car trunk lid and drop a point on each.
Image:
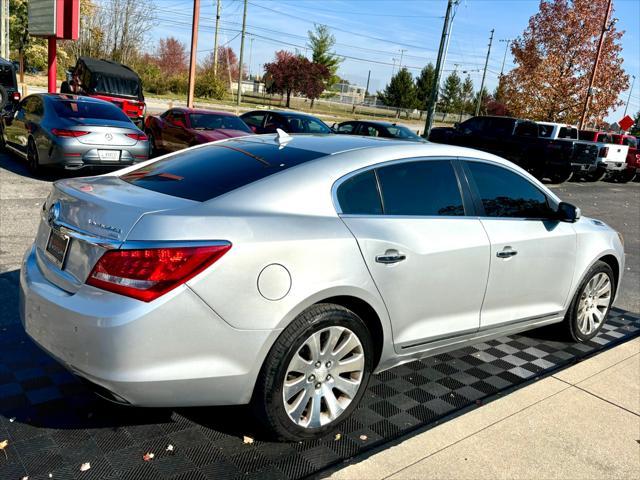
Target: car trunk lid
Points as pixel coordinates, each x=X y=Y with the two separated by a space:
x=113 y=134
x=95 y=214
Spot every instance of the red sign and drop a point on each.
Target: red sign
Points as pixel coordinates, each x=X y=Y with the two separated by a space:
x=626 y=123
x=67 y=19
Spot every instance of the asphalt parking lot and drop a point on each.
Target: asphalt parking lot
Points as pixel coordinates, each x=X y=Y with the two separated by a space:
x=54 y=425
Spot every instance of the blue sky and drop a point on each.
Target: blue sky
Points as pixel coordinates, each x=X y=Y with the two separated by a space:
x=376 y=34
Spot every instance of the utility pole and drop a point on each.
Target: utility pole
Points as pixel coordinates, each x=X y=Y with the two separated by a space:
x=484 y=75
x=215 y=40
x=633 y=81
x=194 y=49
x=506 y=49
x=442 y=53
x=393 y=69
x=4 y=48
x=250 y=54
x=366 y=90
x=244 y=30
x=402 y=50
x=605 y=27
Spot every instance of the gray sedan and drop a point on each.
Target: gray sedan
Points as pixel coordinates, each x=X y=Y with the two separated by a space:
x=72 y=132
x=284 y=270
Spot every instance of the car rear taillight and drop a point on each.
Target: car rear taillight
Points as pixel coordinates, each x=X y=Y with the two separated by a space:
x=146 y=274
x=604 y=151
x=141 y=137
x=16 y=96
x=60 y=132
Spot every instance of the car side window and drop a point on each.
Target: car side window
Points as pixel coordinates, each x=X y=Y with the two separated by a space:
x=254 y=120
x=506 y=194
x=368 y=130
x=346 y=128
x=179 y=119
x=274 y=122
x=426 y=188
x=526 y=129
x=358 y=195
x=472 y=126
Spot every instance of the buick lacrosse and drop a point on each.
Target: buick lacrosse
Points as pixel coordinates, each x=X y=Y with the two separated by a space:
x=283 y=271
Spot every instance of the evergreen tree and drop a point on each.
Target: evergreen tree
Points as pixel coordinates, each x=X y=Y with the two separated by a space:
x=321 y=41
x=466 y=94
x=424 y=84
x=401 y=91
x=450 y=94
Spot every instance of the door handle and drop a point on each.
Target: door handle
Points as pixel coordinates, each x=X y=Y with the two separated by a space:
x=507 y=252
x=391 y=256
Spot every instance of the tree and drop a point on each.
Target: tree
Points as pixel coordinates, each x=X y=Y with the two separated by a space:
x=424 y=85
x=91 y=37
x=450 y=94
x=466 y=96
x=295 y=75
x=228 y=67
x=555 y=56
x=125 y=24
x=484 y=103
x=635 y=129
x=321 y=41
x=171 y=56
x=401 y=91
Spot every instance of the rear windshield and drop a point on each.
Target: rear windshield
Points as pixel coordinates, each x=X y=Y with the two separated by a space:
x=305 y=125
x=101 y=111
x=398 y=131
x=210 y=121
x=208 y=172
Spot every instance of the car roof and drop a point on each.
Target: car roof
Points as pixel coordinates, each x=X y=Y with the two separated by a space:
x=203 y=111
x=380 y=123
x=68 y=97
x=285 y=113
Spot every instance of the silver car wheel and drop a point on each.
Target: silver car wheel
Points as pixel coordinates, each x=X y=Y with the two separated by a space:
x=323 y=377
x=594 y=303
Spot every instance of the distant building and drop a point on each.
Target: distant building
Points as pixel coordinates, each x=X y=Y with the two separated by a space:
x=348 y=93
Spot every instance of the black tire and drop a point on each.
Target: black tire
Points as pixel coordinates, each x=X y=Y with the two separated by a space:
x=153 y=148
x=625 y=176
x=3 y=143
x=561 y=177
x=33 y=159
x=571 y=320
x=596 y=175
x=4 y=97
x=268 y=402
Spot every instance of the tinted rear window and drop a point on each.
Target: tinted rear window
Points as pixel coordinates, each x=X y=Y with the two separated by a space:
x=102 y=111
x=359 y=195
x=211 y=171
x=209 y=121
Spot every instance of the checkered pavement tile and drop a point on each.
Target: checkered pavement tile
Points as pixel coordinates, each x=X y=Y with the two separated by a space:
x=54 y=424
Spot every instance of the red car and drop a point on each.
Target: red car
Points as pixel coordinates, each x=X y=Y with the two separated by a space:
x=180 y=128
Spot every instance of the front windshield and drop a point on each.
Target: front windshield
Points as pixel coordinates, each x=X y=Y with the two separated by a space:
x=209 y=121
x=399 y=131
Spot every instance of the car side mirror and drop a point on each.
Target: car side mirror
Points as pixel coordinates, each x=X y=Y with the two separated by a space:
x=568 y=213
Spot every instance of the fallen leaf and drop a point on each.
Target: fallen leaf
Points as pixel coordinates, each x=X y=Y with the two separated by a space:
x=85 y=466
x=169 y=448
x=148 y=456
x=338 y=436
x=363 y=437
x=3 y=445
x=247 y=439
x=25 y=478
x=12 y=419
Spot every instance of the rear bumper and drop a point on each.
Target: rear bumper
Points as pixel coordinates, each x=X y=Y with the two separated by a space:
x=172 y=352
x=614 y=166
x=74 y=156
x=583 y=167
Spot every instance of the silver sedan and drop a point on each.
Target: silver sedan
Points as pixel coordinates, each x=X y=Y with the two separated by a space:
x=72 y=132
x=285 y=271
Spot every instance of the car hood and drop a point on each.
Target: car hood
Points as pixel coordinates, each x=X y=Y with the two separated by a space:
x=219 y=134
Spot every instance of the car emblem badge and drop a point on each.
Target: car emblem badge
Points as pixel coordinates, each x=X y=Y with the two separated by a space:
x=108 y=137
x=54 y=214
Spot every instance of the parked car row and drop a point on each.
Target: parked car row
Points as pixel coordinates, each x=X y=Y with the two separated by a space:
x=552 y=151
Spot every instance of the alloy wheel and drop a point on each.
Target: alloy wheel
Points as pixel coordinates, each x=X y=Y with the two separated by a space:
x=594 y=303
x=323 y=377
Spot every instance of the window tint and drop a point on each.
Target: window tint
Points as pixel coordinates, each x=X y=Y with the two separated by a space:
x=253 y=119
x=420 y=188
x=346 y=128
x=500 y=127
x=368 y=130
x=305 y=125
x=211 y=121
x=214 y=170
x=545 y=131
x=398 y=131
x=473 y=125
x=507 y=194
x=568 y=132
x=80 y=109
x=526 y=129
x=359 y=195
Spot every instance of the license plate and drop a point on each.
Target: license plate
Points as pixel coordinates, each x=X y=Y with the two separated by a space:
x=109 y=155
x=57 y=246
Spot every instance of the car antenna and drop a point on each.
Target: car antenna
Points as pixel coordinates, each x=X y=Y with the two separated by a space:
x=282 y=137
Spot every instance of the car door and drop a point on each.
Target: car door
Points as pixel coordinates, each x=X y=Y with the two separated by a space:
x=532 y=254
x=429 y=260
x=16 y=126
x=176 y=134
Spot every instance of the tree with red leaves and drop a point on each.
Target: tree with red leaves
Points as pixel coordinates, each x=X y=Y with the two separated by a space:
x=555 y=57
x=171 y=56
x=227 y=65
x=295 y=75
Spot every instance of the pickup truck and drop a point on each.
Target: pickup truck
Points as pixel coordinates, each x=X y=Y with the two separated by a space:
x=633 y=159
x=612 y=156
x=519 y=141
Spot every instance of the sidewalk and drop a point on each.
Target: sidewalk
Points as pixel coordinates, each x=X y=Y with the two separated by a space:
x=582 y=422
